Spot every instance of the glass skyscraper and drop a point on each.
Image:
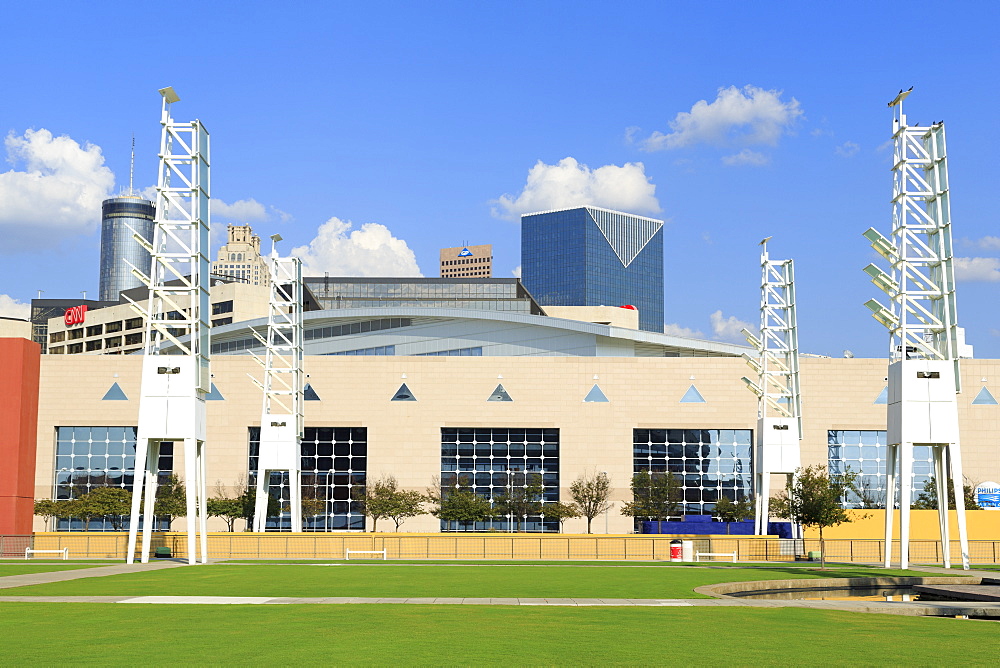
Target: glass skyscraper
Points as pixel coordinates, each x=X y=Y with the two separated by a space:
x=118 y=214
x=594 y=257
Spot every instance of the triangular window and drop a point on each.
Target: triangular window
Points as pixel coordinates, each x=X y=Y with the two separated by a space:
x=883 y=396
x=214 y=395
x=115 y=393
x=692 y=396
x=309 y=394
x=595 y=395
x=403 y=394
x=984 y=398
x=500 y=394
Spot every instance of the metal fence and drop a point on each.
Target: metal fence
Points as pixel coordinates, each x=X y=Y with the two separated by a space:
x=490 y=546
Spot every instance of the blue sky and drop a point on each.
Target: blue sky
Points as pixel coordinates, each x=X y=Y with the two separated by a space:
x=372 y=134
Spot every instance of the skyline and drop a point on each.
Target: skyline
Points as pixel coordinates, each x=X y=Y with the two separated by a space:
x=372 y=137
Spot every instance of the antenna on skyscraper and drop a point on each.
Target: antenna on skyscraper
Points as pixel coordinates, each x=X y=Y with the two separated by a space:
x=131 y=167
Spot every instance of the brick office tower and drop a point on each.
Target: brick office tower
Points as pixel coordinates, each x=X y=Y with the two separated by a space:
x=588 y=256
x=467 y=261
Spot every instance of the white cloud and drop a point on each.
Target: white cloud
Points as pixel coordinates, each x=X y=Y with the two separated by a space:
x=11 y=308
x=368 y=251
x=746 y=157
x=516 y=271
x=847 y=149
x=987 y=243
x=977 y=269
x=570 y=183
x=750 y=115
x=728 y=329
x=57 y=195
x=674 y=329
x=241 y=211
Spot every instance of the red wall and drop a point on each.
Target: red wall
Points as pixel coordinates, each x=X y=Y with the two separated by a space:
x=19 y=364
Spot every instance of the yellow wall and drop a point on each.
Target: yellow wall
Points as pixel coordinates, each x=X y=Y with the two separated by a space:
x=982 y=524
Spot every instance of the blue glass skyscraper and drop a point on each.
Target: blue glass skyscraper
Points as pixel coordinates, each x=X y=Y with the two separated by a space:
x=118 y=214
x=594 y=257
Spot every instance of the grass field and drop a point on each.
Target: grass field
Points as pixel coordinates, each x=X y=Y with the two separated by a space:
x=390 y=580
x=117 y=635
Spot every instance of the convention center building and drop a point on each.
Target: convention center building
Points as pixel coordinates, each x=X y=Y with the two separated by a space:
x=436 y=381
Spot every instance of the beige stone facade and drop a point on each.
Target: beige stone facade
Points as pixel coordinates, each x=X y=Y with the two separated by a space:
x=616 y=316
x=404 y=437
x=118 y=330
x=15 y=328
x=467 y=261
x=240 y=257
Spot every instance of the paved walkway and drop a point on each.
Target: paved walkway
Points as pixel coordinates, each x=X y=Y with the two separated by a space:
x=917 y=609
x=26 y=579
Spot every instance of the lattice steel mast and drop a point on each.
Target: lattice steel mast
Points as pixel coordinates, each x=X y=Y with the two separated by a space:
x=779 y=400
x=924 y=338
x=281 y=423
x=172 y=397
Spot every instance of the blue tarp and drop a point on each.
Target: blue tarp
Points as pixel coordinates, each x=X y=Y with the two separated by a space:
x=702 y=525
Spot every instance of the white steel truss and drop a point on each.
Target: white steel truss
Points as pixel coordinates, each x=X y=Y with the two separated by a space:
x=923 y=332
x=281 y=423
x=779 y=400
x=172 y=397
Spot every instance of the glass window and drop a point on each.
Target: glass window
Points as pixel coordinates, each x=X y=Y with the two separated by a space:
x=91 y=457
x=864 y=453
x=496 y=463
x=339 y=481
x=687 y=453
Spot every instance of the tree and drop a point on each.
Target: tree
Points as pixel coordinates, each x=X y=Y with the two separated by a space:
x=112 y=503
x=54 y=509
x=928 y=499
x=313 y=506
x=869 y=491
x=409 y=503
x=520 y=501
x=457 y=503
x=248 y=501
x=813 y=498
x=562 y=512
x=229 y=510
x=380 y=499
x=590 y=495
x=728 y=510
x=656 y=495
x=171 y=499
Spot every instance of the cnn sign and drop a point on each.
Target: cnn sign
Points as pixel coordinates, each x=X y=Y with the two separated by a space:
x=75 y=315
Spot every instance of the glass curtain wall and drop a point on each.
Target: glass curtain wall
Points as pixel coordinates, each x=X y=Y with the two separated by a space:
x=333 y=461
x=706 y=463
x=493 y=461
x=864 y=453
x=91 y=457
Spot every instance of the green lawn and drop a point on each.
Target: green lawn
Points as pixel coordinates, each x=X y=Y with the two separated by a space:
x=24 y=568
x=389 y=580
x=112 y=635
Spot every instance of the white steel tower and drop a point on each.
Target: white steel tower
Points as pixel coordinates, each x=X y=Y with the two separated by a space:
x=923 y=334
x=779 y=407
x=172 y=398
x=281 y=422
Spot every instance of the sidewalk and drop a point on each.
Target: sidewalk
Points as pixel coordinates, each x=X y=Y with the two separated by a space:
x=10 y=581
